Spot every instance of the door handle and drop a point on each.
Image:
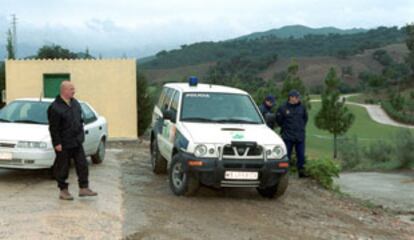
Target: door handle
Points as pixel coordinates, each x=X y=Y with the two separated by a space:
x=100 y=127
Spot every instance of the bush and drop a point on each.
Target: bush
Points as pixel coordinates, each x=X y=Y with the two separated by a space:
x=397 y=115
x=380 y=152
x=323 y=171
x=349 y=152
x=404 y=142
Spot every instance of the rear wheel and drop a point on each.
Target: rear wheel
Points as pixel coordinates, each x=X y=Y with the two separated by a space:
x=277 y=190
x=158 y=163
x=182 y=183
x=99 y=156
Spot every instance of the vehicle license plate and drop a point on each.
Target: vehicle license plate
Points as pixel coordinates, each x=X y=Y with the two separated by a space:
x=241 y=175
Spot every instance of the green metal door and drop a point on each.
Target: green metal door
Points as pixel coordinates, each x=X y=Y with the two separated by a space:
x=51 y=84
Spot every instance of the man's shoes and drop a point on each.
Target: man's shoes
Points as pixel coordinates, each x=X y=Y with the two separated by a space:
x=86 y=192
x=65 y=195
x=303 y=174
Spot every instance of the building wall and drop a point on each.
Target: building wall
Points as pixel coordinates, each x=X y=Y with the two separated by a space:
x=108 y=85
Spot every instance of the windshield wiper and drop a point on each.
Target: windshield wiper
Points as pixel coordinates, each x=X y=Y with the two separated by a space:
x=28 y=121
x=4 y=120
x=233 y=120
x=197 y=119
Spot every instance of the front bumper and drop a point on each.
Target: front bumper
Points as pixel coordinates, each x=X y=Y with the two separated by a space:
x=28 y=158
x=212 y=171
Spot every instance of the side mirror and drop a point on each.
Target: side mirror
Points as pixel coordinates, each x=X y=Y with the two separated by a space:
x=169 y=115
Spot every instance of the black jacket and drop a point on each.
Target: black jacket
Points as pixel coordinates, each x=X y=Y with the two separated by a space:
x=265 y=110
x=292 y=120
x=66 y=123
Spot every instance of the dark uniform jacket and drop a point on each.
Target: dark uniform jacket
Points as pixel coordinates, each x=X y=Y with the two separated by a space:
x=66 y=123
x=265 y=110
x=292 y=119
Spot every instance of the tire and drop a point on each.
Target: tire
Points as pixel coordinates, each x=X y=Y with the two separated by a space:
x=99 y=156
x=182 y=183
x=277 y=190
x=158 y=163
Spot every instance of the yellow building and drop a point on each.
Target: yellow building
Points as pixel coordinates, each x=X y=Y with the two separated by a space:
x=109 y=85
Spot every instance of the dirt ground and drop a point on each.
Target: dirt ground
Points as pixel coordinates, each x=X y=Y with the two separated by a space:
x=30 y=208
x=306 y=211
x=133 y=203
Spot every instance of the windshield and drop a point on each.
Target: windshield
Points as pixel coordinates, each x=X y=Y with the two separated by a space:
x=219 y=108
x=25 y=112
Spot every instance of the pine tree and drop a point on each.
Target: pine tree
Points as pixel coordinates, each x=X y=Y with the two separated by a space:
x=9 y=46
x=293 y=81
x=333 y=116
x=144 y=103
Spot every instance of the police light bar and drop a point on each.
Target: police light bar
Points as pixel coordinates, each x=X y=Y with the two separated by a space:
x=193 y=81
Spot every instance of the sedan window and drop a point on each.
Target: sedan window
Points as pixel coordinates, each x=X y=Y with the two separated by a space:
x=25 y=112
x=88 y=115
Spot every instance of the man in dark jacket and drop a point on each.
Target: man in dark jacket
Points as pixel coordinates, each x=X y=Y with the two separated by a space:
x=292 y=118
x=266 y=109
x=67 y=133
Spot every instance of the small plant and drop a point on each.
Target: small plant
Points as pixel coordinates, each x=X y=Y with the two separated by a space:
x=350 y=152
x=323 y=171
x=380 y=151
x=404 y=142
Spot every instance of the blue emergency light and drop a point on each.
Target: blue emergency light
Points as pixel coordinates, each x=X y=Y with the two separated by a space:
x=193 y=81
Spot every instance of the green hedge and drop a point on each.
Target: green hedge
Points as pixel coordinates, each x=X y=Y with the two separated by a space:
x=396 y=115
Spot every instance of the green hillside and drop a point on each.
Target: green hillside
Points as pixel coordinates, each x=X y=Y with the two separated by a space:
x=299 y=31
x=337 y=45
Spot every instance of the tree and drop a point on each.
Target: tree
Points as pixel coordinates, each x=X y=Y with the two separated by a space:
x=333 y=116
x=54 y=52
x=293 y=81
x=2 y=81
x=10 y=47
x=144 y=103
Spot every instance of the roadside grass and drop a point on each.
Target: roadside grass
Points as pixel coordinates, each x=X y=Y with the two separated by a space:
x=320 y=143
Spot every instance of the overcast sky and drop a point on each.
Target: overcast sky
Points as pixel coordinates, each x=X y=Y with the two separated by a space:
x=140 y=28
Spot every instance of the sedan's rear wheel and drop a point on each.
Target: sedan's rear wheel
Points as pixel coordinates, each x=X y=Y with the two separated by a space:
x=99 y=156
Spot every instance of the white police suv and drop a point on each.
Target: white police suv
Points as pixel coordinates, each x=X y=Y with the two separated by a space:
x=216 y=136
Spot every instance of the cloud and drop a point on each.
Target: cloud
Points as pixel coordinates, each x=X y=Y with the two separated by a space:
x=142 y=27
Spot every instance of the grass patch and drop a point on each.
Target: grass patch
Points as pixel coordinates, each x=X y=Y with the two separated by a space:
x=320 y=144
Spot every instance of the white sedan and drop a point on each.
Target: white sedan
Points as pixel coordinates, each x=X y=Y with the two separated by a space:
x=25 y=141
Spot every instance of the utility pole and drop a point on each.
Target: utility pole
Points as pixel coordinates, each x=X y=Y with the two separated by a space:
x=14 y=34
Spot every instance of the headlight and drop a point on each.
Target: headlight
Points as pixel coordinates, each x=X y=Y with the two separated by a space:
x=278 y=151
x=200 y=150
x=26 y=144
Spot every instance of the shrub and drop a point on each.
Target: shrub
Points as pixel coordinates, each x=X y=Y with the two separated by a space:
x=323 y=171
x=380 y=151
x=397 y=115
x=350 y=152
x=404 y=142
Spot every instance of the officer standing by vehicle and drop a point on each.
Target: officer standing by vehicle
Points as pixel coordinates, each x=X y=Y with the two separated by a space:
x=266 y=110
x=67 y=133
x=292 y=118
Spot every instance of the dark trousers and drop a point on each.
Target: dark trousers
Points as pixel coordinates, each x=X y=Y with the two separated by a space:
x=62 y=164
x=300 y=152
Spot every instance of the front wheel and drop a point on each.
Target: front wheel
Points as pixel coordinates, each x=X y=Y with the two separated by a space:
x=99 y=156
x=277 y=190
x=182 y=183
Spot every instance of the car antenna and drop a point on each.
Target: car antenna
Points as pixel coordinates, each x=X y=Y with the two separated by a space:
x=40 y=97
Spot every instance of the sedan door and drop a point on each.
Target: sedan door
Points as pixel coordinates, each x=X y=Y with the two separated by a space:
x=92 y=129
